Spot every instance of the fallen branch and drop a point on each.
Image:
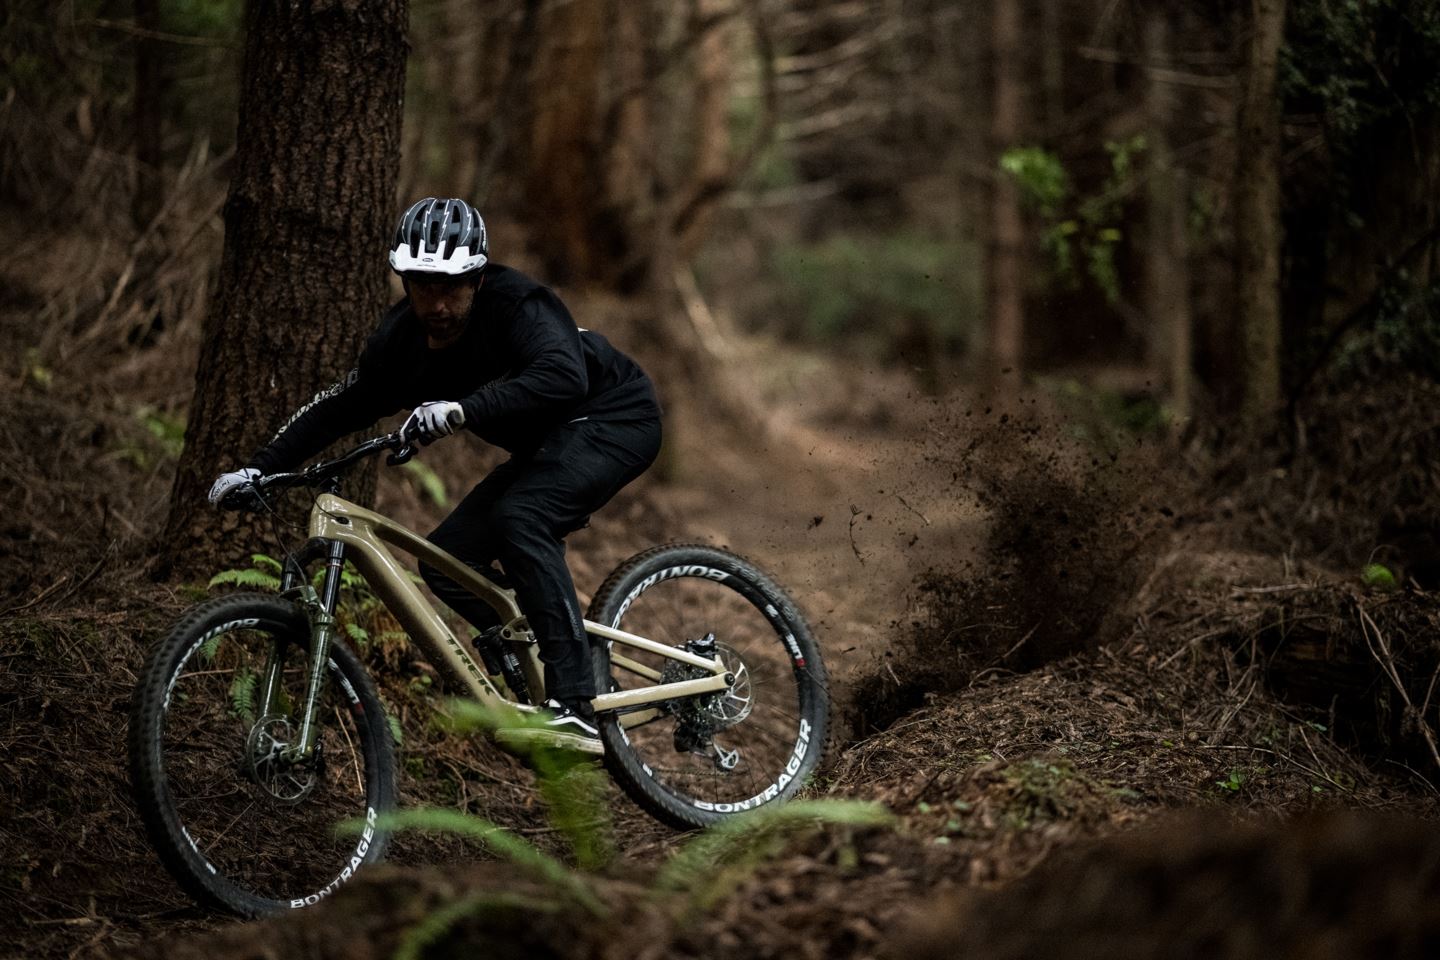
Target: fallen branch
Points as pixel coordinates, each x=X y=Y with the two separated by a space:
x=1380 y=650
x=855 y=512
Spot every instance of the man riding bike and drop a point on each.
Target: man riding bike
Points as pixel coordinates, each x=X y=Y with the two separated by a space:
x=480 y=345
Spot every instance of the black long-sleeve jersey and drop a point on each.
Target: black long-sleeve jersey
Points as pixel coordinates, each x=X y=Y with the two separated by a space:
x=521 y=367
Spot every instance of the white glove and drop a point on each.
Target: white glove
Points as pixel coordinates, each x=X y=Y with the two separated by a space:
x=432 y=420
x=229 y=481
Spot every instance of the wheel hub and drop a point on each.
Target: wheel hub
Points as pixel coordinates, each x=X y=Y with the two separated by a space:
x=700 y=717
x=266 y=750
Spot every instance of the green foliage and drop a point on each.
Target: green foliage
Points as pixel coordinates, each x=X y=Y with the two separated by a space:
x=360 y=613
x=1405 y=334
x=701 y=872
x=1363 y=63
x=242 y=694
x=34 y=371
x=1233 y=782
x=1087 y=224
x=572 y=786
x=1378 y=576
x=873 y=287
x=210 y=647
x=1041 y=176
x=167 y=428
x=428 y=482
x=258 y=579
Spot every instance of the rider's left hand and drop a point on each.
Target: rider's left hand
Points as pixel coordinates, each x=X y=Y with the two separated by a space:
x=432 y=420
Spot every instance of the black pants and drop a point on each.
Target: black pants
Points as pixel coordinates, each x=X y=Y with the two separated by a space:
x=520 y=514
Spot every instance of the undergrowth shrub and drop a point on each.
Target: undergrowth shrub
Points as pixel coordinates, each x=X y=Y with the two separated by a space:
x=699 y=874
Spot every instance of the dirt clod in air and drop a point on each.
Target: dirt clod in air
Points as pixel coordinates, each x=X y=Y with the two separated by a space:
x=1070 y=535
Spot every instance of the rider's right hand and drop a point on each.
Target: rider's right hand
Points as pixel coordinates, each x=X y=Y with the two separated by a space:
x=233 y=480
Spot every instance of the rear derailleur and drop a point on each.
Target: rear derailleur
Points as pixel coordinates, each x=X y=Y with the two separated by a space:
x=699 y=717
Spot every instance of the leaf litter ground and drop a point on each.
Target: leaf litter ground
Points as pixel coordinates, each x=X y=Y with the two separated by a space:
x=1098 y=668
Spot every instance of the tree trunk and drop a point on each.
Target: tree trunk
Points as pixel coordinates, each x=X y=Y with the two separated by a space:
x=1167 y=273
x=511 y=94
x=710 y=124
x=307 y=220
x=1007 y=241
x=564 y=185
x=1257 y=219
x=1052 y=41
x=465 y=88
x=145 y=202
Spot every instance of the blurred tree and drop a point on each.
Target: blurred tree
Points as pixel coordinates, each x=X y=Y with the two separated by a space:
x=1258 y=232
x=1167 y=250
x=307 y=218
x=1006 y=341
x=149 y=145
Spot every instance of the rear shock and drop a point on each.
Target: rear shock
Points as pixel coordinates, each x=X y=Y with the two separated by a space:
x=500 y=659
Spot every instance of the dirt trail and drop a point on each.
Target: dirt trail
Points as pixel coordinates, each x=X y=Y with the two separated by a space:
x=836 y=500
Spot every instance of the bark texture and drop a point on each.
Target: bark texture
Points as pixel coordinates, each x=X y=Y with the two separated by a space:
x=307 y=220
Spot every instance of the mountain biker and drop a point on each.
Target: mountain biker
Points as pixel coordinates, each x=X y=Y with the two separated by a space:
x=480 y=345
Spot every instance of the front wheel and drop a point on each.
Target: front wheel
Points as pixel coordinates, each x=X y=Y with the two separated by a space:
x=238 y=824
x=694 y=761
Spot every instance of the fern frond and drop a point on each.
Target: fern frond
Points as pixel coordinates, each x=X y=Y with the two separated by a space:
x=246 y=578
x=263 y=561
x=242 y=694
x=512 y=847
x=429 y=481
x=719 y=858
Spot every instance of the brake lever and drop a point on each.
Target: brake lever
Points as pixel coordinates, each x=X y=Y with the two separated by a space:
x=403 y=455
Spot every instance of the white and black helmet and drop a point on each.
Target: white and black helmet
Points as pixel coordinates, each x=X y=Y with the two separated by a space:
x=440 y=236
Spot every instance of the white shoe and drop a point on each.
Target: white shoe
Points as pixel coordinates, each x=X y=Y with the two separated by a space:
x=566 y=729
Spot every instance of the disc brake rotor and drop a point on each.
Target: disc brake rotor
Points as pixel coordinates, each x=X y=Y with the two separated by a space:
x=735 y=704
x=285 y=781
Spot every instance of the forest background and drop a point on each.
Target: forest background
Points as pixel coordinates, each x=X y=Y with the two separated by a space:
x=849 y=240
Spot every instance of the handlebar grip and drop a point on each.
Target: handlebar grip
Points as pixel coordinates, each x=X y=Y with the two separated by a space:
x=244 y=497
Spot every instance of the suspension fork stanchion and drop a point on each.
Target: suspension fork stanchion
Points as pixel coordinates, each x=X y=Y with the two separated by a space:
x=274 y=665
x=322 y=628
x=292 y=577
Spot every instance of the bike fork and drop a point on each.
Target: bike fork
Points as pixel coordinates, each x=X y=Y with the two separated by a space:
x=320 y=608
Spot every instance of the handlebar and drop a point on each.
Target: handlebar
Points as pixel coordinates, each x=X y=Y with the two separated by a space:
x=247 y=496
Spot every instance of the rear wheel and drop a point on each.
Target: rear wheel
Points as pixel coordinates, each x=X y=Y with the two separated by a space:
x=236 y=824
x=694 y=761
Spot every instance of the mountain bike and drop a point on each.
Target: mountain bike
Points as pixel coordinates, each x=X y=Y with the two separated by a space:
x=255 y=728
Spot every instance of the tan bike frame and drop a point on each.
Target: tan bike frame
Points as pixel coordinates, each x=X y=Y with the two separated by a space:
x=368 y=538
